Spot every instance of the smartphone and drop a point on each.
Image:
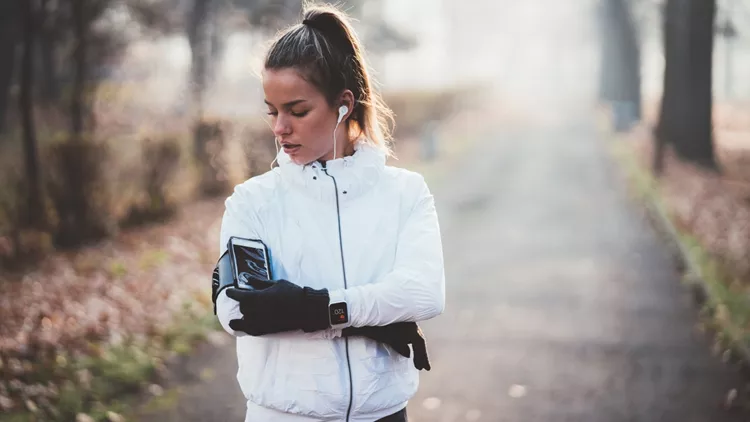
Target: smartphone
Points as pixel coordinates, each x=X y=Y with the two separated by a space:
x=250 y=266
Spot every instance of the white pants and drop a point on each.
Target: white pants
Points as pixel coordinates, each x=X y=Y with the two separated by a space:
x=257 y=413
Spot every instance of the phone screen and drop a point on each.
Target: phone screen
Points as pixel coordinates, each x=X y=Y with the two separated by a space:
x=250 y=266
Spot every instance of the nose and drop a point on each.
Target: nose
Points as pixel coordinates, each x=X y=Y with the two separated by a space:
x=281 y=126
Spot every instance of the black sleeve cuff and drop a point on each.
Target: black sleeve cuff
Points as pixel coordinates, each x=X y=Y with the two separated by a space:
x=316 y=307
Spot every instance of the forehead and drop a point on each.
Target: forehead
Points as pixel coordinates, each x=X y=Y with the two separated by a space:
x=282 y=85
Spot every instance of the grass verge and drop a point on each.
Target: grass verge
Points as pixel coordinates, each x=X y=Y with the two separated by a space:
x=103 y=385
x=725 y=306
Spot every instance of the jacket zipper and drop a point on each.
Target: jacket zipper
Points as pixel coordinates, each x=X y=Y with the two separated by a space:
x=343 y=270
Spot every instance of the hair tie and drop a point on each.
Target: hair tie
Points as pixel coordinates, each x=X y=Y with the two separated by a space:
x=312 y=24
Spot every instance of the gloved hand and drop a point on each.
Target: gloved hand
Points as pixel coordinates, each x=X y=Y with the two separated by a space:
x=399 y=336
x=284 y=306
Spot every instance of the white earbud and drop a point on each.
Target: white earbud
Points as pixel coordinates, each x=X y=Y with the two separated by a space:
x=342 y=112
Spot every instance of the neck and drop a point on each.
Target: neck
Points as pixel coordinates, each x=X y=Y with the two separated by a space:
x=343 y=151
x=344 y=146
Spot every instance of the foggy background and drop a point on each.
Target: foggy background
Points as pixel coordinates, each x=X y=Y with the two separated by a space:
x=563 y=140
x=526 y=55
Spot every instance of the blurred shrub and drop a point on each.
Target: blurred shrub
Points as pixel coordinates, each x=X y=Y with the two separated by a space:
x=18 y=241
x=11 y=190
x=209 y=138
x=78 y=191
x=134 y=171
x=258 y=147
x=160 y=161
x=94 y=186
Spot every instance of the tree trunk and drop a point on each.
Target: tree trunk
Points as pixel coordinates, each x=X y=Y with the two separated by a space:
x=197 y=36
x=697 y=143
x=216 y=44
x=9 y=34
x=674 y=95
x=47 y=46
x=26 y=104
x=620 y=65
x=661 y=130
x=632 y=52
x=685 y=115
x=50 y=86
x=620 y=73
x=79 y=63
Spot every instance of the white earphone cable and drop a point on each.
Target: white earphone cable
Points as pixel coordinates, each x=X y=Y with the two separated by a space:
x=334 y=138
x=276 y=144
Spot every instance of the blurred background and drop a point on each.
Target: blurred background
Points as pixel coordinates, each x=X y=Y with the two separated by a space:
x=124 y=124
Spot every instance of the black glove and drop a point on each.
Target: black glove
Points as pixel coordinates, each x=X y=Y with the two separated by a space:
x=284 y=306
x=399 y=336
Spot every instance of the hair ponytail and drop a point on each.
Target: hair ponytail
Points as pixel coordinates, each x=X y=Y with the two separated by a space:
x=328 y=54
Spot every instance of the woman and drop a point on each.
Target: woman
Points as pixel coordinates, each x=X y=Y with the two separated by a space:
x=354 y=245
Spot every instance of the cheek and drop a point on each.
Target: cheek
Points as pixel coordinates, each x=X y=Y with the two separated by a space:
x=315 y=133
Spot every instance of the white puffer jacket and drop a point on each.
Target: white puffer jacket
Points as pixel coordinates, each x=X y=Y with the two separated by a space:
x=369 y=234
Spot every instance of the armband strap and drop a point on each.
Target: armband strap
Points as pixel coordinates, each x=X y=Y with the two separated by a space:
x=222 y=277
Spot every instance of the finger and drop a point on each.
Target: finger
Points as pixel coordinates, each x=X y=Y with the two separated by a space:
x=419 y=331
x=256 y=318
x=238 y=325
x=240 y=294
x=421 y=359
x=402 y=349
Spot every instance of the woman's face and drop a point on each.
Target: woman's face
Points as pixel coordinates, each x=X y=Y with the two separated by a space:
x=301 y=118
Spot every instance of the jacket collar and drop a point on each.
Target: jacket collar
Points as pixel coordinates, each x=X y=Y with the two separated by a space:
x=354 y=175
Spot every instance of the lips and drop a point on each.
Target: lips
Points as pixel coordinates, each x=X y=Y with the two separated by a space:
x=290 y=147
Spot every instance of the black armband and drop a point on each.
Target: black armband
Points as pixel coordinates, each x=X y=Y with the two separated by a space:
x=222 y=277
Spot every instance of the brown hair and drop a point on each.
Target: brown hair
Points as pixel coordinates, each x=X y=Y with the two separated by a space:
x=326 y=51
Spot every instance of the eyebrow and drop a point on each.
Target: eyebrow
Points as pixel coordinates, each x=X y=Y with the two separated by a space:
x=288 y=104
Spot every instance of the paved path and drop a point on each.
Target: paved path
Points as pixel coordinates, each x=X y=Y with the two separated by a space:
x=556 y=285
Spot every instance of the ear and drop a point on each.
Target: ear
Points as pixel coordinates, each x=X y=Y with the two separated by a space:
x=346 y=98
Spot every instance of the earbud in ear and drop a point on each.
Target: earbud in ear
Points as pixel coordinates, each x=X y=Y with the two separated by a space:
x=342 y=112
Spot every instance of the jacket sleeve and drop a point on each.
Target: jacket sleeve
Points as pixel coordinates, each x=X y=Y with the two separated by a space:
x=415 y=289
x=240 y=219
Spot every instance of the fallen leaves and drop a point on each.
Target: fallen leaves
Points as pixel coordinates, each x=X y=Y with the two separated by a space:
x=156 y=390
x=6 y=403
x=704 y=203
x=76 y=305
x=82 y=417
x=714 y=217
x=33 y=408
x=517 y=391
x=731 y=397
x=115 y=417
x=431 y=403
